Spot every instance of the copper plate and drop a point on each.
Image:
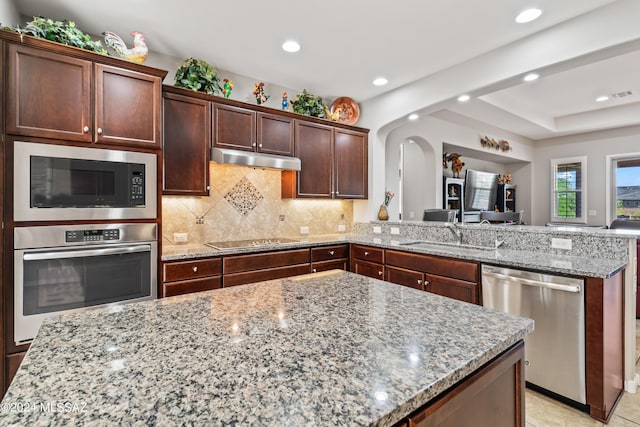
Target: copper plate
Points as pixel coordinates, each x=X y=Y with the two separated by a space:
x=349 y=111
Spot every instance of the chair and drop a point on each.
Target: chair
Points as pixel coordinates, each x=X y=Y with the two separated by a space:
x=625 y=224
x=442 y=215
x=510 y=217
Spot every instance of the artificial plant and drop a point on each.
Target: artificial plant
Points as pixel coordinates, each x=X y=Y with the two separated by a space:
x=64 y=32
x=309 y=104
x=198 y=75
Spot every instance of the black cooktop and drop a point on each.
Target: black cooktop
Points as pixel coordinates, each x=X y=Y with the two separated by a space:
x=249 y=243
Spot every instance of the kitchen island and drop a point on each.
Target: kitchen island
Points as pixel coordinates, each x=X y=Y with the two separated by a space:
x=330 y=348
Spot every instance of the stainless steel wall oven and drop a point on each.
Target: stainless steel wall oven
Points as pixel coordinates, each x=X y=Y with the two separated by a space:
x=69 y=268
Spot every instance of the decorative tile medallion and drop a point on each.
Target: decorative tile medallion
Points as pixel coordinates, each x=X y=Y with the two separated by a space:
x=244 y=197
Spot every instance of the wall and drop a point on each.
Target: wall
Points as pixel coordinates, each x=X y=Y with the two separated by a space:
x=244 y=203
x=431 y=133
x=596 y=146
x=9 y=16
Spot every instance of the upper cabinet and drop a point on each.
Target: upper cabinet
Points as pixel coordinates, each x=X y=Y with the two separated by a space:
x=66 y=97
x=186 y=144
x=334 y=163
x=248 y=130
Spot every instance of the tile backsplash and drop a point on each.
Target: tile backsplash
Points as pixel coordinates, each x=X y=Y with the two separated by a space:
x=245 y=203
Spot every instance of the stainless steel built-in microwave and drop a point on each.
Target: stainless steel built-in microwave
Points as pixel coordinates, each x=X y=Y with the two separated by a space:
x=60 y=182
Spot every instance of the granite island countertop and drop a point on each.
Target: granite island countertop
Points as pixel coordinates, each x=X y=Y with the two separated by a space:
x=331 y=348
x=540 y=261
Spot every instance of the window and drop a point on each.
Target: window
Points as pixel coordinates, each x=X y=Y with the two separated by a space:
x=627 y=188
x=569 y=189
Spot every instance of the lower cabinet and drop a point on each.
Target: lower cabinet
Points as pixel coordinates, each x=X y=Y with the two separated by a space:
x=242 y=269
x=183 y=277
x=448 y=277
x=368 y=261
x=329 y=258
x=493 y=396
x=12 y=363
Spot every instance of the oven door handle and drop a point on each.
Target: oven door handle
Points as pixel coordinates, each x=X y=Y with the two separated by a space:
x=86 y=253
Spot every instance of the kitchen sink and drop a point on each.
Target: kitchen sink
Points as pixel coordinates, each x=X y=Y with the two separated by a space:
x=428 y=243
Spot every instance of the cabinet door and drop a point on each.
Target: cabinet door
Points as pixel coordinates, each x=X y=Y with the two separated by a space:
x=400 y=276
x=275 y=134
x=314 y=147
x=128 y=107
x=49 y=95
x=453 y=288
x=235 y=127
x=367 y=269
x=189 y=286
x=186 y=144
x=339 y=264
x=351 y=164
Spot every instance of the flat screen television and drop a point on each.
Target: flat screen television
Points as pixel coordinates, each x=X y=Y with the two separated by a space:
x=480 y=190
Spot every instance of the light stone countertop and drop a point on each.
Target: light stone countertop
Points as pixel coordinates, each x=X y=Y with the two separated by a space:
x=540 y=261
x=324 y=349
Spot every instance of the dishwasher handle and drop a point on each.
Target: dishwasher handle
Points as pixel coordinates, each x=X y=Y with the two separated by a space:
x=530 y=282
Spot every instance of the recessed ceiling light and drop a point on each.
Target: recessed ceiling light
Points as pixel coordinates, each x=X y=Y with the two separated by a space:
x=531 y=77
x=602 y=98
x=528 y=15
x=380 y=81
x=413 y=116
x=463 y=98
x=291 y=46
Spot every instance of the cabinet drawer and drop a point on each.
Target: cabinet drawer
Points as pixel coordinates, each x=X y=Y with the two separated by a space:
x=457 y=269
x=367 y=253
x=188 y=286
x=265 y=274
x=339 y=264
x=400 y=276
x=326 y=253
x=367 y=269
x=241 y=263
x=182 y=270
x=453 y=288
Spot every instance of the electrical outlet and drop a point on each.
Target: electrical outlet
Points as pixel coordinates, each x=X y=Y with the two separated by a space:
x=281 y=217
x=199 y=220
x=560 y=243
x=377 y=230
x=342 y=228
x=180 y=237
x=304 y=230
x=395 y=230
x=593 y=212
x=412 y=214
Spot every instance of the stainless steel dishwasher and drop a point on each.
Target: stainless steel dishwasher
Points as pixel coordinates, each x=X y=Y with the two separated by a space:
x=555 y=351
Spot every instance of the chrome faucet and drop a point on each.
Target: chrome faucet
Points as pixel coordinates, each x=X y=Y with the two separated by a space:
x=457 y=232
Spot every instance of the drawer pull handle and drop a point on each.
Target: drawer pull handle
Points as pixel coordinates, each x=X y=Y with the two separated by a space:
x=331 y=252
x=85 y=129
x=419 y=282
x=426 y=282
x=195 y=269
x=366 y=254
x=379 y=273
x=99 y=131
x=315 y=270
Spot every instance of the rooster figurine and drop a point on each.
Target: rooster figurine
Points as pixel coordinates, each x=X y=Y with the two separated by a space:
x=138 y=53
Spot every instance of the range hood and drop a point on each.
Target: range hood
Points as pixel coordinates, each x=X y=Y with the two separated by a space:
x=253 y=159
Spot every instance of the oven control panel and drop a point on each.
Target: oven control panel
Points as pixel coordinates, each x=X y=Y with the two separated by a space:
x=73 y=236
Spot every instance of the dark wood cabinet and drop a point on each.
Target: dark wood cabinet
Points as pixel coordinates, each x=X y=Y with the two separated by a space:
x=12 y=364
x=493 y=396
x=244 y=129
x=506 y=198
x=235 y=127
x=242 y=269
x=274 y=134
x=53 y=95
x=186 y=144
x=49 y=94
x=127 y=107
x=183 y=277
x=334 y=163
x=351 y=161
x=329 y=258
x=401 y=276
x=443 y=276
x=368 y=261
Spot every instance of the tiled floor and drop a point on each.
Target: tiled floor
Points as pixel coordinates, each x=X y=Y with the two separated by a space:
x=542 y=411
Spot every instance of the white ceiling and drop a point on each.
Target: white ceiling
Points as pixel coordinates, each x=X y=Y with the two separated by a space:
x=346 y=44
